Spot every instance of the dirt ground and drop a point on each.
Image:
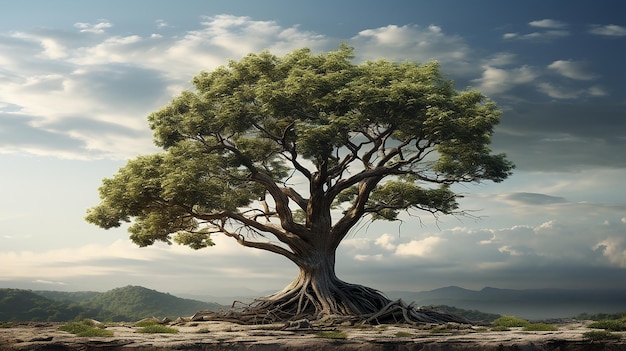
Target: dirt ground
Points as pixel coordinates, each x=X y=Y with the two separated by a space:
x=211 y=335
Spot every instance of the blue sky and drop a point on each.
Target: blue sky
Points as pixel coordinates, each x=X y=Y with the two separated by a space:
x=78 y=78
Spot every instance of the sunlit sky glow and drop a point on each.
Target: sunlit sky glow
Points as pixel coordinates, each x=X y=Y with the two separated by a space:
x=78 y=78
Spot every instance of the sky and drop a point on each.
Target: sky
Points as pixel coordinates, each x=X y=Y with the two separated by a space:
x=79 y=78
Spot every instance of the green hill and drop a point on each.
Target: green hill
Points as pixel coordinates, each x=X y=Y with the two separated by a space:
x=66 y=296
x=136 y=302
x=129 y=303
x=24 y=305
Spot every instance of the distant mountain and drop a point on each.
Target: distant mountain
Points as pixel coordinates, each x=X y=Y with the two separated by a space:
x=529 y=304
x=129 y=303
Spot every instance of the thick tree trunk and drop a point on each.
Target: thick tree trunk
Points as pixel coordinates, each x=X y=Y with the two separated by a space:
x=317 y=292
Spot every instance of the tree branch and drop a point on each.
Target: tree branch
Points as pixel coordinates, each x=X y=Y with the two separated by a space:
x=263 y=246
x=296 y=197
x=352 y=216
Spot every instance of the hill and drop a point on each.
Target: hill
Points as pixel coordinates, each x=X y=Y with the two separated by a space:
x=136 y=302
x=25 y=305
x=129 y=303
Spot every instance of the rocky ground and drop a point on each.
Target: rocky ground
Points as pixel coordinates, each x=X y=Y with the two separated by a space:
x=211 y=335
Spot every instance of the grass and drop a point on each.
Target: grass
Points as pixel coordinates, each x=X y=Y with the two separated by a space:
x=332 y=335
x=153 y=327
x=85 y=330
x=441 y=329
x=510 y=322
x=610 y=324
x=506 y=322
x=158 y=329
x=6 y=325
x=597 y=335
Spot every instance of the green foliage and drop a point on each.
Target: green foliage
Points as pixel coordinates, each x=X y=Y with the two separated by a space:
x=122 y=304
x=6 y=325
x=146 y=323
x=540 y=327
x=441 y=329
x=610 y=324
x=85 y=330
x=379 y=138
x=510 y=322
x=505 y=322
x=25 y=305
x=158 y=329
x=135 y=303
x=601 y=316
x=332 y=334
x=599 y=335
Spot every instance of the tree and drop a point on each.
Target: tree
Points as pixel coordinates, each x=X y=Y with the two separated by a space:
x=370 y=140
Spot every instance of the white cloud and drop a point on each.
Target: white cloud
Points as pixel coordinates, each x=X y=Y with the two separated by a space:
x=386 y=241
x=597 y=90
x=97 y=28
x=120 y=257
x=59 y=264
x=412 y=42
x=501 y=59
x=48 y=282
x=162 y=23
x=559 y=92
x=610 y=30
x=377 y=257
x=553 y=31
x=52 y=48
x=547 y=35
x=497 y=80
x=547 y=23
x=572 y=69
x=419 y=248
x=614 y=250
x=118 y=80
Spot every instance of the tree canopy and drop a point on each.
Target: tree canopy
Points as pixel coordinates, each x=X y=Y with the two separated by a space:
x=287 y=154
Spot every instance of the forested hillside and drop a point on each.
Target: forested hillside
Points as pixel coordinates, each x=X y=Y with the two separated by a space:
x=138 y=302
x=130 y=303
x=24 y=305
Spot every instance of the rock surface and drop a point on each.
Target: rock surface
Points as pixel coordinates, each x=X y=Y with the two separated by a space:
x=211 y=335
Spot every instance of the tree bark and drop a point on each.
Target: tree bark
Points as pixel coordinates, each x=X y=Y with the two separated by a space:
x=318 y=292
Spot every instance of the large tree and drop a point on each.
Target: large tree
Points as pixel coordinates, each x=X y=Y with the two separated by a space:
x=287 y=154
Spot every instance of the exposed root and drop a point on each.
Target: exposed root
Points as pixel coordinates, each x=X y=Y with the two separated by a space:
x=284 y=307
x=399 y=312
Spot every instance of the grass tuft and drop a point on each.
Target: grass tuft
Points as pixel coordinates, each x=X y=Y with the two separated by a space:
x=84 y=330
x=332 y=335
x=610 y=324
x=158 y=329
x=510 y=322
x=441 y=329
x=597 y=335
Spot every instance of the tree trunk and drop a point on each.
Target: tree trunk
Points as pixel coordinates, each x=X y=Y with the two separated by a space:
x=317 y=292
